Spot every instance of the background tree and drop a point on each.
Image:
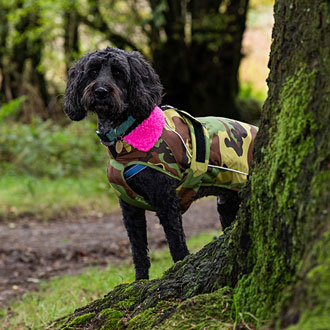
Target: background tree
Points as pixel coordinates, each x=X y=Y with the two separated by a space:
x=197 y=51
x=272 y=266
x=71 y=33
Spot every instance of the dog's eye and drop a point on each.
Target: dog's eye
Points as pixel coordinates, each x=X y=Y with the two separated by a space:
x=116 y=74
x=93 y=73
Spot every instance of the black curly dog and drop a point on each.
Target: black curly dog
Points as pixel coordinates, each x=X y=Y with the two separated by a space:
x=115 y=84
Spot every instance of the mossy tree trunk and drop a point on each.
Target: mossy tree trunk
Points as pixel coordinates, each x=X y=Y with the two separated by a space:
x=271 y=268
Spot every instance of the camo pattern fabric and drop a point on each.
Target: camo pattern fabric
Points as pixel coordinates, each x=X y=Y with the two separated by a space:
x=229 y=144
x=231 y=147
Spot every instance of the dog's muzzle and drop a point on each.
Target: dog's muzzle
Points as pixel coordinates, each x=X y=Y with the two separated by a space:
x=101 y=93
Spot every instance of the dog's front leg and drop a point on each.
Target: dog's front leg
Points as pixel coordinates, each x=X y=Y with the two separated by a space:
x=168 y=211
x=136 y=226
x=159 y=190
x=172 y=224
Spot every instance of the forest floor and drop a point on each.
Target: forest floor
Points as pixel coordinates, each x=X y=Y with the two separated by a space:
x=32 y=250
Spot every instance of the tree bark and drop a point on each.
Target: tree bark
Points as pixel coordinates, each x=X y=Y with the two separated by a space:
x=71 y=36
x=271 y=268
x=4 y=30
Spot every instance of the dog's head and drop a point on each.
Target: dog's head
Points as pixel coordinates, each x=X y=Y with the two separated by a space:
x=114 y=84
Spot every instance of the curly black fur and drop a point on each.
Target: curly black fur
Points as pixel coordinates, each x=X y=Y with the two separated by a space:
x=115 y=84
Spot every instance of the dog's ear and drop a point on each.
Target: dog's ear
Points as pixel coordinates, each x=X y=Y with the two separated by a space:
x=74 y=91
x=145 y=89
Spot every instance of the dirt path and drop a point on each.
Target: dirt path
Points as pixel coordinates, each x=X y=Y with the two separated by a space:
x=31 y=250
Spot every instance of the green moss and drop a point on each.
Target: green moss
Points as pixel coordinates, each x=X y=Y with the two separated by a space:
x=276 y=193
x=205 y=311
x=309 y=303
x=317 y=315
x=211 y=311
x=112 y=319
x=79 y=320
x=126 y=303
x=151 y=316
x=125 y=295
x=144 y=320
x=110 y=312
x=294 y=126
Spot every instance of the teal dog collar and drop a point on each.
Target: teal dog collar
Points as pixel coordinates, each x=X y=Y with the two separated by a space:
x=118 y=132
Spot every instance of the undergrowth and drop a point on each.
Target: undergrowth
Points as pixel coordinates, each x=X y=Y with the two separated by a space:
x=48 y=170
x=44 y=148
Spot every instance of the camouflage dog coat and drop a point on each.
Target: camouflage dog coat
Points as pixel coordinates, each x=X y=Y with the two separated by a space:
x=206 y=151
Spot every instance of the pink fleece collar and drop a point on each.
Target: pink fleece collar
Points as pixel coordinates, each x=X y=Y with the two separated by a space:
x=144 y=136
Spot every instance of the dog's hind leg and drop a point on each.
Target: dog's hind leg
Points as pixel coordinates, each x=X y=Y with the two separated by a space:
x=227 y=204
x=136 y=226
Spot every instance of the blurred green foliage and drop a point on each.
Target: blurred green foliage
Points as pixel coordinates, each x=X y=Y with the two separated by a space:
x=11 y=108
x=43 y=148
x=50 y=170
x=247 y=91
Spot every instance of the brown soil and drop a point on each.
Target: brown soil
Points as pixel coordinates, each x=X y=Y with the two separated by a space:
x=32 y=250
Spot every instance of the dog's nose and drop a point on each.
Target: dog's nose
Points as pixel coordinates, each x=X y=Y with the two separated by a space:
x=101 y=92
